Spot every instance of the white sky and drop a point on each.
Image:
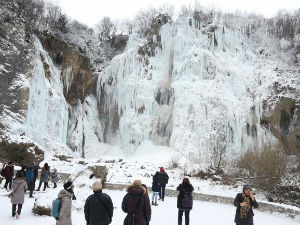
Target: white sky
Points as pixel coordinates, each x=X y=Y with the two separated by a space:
x=90 y=11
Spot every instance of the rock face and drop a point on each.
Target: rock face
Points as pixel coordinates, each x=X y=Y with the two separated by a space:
x=76 y=71
x=284 y=122
x=99 y=172
x=22 y=153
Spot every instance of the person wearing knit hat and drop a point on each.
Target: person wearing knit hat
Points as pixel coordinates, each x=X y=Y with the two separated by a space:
x=163 y=180
x=137 y=202
x=66 y=195
x=244 y=202
x=98 y=208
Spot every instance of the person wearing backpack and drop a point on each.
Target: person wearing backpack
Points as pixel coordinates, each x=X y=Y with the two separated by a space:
x=184 y=201
x=155 y=188
x=244 y=202
x=8 y=174
x=98 y=208
x=29 y=174
x=45 y=175
x=19 y=187
x=163 y=180
x=136 y=204
x=66 y=195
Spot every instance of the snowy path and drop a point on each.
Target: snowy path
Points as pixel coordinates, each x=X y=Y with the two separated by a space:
x=165 y=214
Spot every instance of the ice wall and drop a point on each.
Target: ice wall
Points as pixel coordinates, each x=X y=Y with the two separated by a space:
x=47 y=114
x=196 y=94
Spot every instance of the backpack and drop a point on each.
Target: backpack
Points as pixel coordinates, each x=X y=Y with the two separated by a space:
x=187 y=200
x=56 y=205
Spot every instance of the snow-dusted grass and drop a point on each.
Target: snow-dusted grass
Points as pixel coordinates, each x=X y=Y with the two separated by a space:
x=164 y=214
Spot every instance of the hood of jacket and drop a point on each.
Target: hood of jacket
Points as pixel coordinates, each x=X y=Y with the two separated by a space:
x=19 y=180
x=64 y=193
x=136 y=190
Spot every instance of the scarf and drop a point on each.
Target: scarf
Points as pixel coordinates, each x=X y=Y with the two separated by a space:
x=245 y=209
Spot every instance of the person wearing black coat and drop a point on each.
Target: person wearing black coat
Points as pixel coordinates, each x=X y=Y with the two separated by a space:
x=163 y=180
x=98 y=208
x=184 y=201
x=155 y=188
x=244 y=202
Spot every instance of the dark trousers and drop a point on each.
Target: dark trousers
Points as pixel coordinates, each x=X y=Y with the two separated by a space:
x=30 y=188
x=14 y=206
x=186 y=216
x=8 y=182
x=45 y=185
x=162 y=192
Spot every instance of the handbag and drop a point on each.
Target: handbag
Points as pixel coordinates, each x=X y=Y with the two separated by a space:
x=11 y=194
x=130 y=217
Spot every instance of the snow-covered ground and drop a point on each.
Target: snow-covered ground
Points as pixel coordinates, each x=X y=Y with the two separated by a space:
x=164 y=214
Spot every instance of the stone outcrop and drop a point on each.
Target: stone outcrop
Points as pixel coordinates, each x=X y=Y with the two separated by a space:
x=76 y=71
x=284 y=122
x=22 y=153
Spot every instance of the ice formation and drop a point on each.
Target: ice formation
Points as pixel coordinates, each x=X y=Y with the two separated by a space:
x=200 y=92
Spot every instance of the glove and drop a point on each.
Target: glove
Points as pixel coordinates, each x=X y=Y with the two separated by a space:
x=74 y=197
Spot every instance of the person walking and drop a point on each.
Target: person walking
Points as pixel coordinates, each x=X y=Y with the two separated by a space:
x=8 y=175
x=19 y=187
x=29 y=175
x=66 y=195
x=244 y=202
x=184 y=201
x=98 y=208
x=163 y=180
x=136 y=203
x=155 y=188
x=54 y=177
x=45 y=175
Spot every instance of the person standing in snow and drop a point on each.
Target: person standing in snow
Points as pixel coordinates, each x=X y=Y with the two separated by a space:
x=163 y=180
x=136 y=202
x=19 y=187
x=8 y=174
x=155 y=188
x=244 y=202
x=184 y=201
x=45 y=175
x=98 y=208
x=54 y=177
x=29 y=174
x=36 y=172
x=66 y=195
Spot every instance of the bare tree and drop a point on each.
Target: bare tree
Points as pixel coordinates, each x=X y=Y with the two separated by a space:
x=106 y=29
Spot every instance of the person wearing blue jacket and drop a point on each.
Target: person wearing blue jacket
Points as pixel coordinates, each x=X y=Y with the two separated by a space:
x=29 y=175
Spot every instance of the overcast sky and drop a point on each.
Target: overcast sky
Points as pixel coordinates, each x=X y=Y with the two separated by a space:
x=90 y=11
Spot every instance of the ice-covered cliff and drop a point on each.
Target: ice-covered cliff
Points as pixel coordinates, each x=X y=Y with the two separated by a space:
x=209 y=92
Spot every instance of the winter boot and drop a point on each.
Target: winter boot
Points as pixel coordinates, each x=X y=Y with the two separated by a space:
x=17 y=215
x=153 y=203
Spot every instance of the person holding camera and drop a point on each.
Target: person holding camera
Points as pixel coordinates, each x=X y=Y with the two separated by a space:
x=244 y=202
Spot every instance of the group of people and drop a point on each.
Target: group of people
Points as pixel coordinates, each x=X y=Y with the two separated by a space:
x=98 y=208
x=25 y=180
